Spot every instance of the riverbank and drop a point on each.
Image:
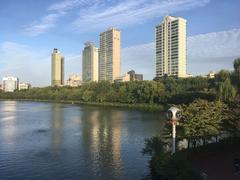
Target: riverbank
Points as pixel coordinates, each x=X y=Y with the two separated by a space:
x=139 y=106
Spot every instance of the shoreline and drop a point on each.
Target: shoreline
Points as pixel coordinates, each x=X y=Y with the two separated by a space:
x=140 y=106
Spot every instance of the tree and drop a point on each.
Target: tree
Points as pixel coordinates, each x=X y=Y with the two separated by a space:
x=236 y=66
x=222 y=75
x=236 y=74
x=163 y=165
x=88 y=96
x=226 y=91
x=171 y=85
x=203 y=120
x=231 y=122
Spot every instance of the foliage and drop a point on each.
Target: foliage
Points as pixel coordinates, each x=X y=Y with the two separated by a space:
x=236 y=73
x=166 y=166
x=154 y=145
x=231 y=122
x=226 y=91
x=202 y=119
x=134 y=92
x=222 y=75
x=188 y=97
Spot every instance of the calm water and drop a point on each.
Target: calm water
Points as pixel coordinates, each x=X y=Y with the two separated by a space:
x=58 y=141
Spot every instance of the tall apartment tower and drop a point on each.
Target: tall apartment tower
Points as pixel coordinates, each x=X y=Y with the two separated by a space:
x=171 y=47
x=90 y=62
x=109 y=55
x=57 y=68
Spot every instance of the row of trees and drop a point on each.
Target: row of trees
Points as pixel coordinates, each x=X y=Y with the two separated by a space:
x=165 y=90
x=150 y=92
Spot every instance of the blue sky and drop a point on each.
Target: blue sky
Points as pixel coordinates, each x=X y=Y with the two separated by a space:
x=30 y=29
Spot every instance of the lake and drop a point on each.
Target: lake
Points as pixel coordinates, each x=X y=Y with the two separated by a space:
x=61 y=141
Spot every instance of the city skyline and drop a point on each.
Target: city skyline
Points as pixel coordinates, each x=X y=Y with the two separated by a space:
x=30 y=42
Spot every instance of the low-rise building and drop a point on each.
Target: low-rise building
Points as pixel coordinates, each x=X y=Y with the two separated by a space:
x=74 y=80
x=211 y=75
x=134 y=76
x=10 y=84
x=24 y=86
x=130 y=76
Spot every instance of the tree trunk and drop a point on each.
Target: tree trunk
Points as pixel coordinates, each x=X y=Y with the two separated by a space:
x=189 y=142
x=204 y=141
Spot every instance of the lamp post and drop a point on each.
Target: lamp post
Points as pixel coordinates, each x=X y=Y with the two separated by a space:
x=174 y=114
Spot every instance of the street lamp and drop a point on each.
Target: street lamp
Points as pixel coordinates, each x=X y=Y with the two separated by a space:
x=174 y=114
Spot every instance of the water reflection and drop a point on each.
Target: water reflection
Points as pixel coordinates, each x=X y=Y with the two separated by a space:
x=8 y=111
x=102 y=131
x=57 y=125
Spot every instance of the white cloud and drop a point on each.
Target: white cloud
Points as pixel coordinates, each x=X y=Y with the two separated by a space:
x=99 y=14
x=49 y=21
x=211 y=51
x=130 y=12
x=68 y=4
x=225 y=43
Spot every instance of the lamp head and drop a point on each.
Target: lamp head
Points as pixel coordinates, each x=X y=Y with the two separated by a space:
x=174 y=114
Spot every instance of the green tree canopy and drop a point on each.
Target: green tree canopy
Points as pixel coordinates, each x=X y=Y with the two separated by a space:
x=222 y=76
x=236 y=74
x=231 y=123
x=202 y=119
x=226 y=91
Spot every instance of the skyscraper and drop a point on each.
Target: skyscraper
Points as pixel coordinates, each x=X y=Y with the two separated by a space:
x=171 y=47
x=109 y=55
x=90 y=62
x=57 y=68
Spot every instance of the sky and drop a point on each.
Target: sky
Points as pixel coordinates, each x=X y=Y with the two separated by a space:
x=30 y=29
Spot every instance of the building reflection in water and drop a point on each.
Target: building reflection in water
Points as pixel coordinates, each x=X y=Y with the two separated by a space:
x=8 y=121
x=102 y=130
x=57 y=125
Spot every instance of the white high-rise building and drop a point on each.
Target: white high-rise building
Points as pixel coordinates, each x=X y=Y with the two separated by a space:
x=110 y=55
x=10 y=84
x=171 y=40
x=90 y=62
